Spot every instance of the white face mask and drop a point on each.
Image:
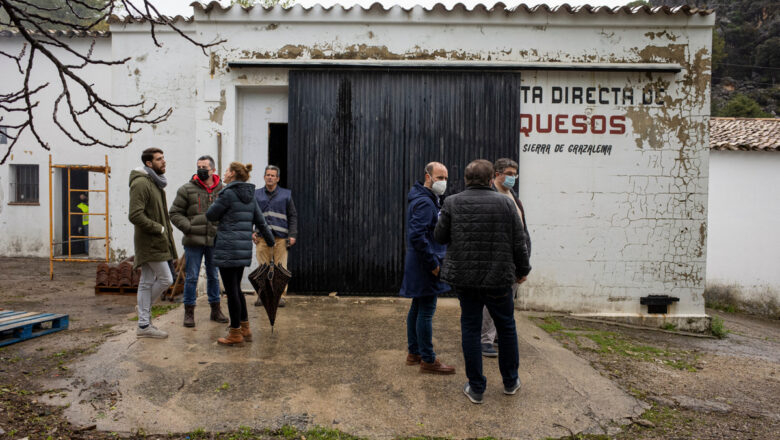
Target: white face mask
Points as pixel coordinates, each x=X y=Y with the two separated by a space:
x=439 y=187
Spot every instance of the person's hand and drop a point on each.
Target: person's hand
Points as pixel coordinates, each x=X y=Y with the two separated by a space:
x=435 y=272
x=255 y=238
x=522 y=280
x=291 y=241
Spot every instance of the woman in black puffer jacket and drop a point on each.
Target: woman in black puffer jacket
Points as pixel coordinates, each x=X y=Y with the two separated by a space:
x=236 y=211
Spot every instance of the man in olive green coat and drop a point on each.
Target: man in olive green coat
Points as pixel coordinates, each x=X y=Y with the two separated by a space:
x=154 y=245
x=188 y=214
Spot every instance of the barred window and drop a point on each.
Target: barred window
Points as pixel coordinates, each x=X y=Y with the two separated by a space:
x=24 y=183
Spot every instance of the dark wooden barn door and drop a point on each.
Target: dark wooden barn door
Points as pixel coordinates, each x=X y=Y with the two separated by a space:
x=357 y=142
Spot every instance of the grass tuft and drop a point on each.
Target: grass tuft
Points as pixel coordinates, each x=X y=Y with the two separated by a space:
x=717 y=328
x=549 y=324
x=158 y=310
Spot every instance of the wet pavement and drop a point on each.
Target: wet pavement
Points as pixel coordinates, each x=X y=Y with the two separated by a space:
x=336 y=362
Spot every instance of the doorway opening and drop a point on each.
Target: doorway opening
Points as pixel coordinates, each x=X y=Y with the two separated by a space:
x=277 y=149
x=73 y=224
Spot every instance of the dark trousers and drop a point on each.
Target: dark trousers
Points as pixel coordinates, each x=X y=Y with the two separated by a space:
x=231 y=278
x=419 y=327
x=501 y=308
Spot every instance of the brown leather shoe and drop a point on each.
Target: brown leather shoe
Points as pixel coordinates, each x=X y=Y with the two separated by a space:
x=413 y=359
x=245 y=332
x=436 y=368
x=233 y=338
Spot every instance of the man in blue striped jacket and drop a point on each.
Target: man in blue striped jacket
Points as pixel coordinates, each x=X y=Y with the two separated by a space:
x=280 y=214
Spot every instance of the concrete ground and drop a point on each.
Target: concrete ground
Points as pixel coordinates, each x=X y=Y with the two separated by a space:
x=333 y=362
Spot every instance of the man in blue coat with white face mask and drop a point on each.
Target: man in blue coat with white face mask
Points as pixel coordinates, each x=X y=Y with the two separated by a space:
x=421 y=268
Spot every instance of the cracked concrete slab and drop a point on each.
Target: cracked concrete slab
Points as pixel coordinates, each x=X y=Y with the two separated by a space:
x=334 y=362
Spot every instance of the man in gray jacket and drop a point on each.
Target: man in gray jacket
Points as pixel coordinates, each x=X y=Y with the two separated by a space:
x=188 y=214
x=486 y=255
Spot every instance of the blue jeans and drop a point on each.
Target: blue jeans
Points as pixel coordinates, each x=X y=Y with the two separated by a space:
x=501 y=307
x=419 y=327
x=193 y=256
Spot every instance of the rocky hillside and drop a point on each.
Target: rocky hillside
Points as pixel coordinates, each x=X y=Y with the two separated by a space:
x=746 y=51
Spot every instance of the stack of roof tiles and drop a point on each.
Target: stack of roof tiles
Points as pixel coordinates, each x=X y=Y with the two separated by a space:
x=122 y=274
x=117 y=275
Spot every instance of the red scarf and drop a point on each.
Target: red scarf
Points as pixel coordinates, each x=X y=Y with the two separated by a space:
x=203 y=184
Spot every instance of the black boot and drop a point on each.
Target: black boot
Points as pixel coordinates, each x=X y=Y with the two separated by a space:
x=216 y=313
x=189 y=316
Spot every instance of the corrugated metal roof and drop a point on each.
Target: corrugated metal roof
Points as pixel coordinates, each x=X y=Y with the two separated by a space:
x=745 y=134
x=479 y=7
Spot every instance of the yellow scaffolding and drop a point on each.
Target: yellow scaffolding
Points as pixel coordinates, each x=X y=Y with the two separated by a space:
x=106 y=170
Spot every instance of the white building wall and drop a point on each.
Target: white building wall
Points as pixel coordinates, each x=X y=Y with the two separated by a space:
x=166 y=77
x=743 y=242
x=26 y=227
x=606 y=228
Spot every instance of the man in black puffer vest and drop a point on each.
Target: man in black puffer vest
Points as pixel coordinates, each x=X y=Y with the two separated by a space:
x=486 y=255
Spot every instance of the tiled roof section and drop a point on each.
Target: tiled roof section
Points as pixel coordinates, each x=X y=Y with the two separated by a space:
x=745 y=134
x=479 y=7
x=113 y=19
x=69 y=33
x=129 y=19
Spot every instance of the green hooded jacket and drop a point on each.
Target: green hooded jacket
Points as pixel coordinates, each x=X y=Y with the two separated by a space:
x=188 y=212
x=149 y=213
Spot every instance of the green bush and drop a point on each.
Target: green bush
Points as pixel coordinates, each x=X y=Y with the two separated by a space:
x=741 y=106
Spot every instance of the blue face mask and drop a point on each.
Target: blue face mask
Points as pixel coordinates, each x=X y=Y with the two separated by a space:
x=509 y=181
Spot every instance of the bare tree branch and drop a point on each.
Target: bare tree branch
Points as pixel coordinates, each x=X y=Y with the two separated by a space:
x=45 y=27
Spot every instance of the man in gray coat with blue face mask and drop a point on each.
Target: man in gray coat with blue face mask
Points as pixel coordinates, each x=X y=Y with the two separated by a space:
x=504 y=180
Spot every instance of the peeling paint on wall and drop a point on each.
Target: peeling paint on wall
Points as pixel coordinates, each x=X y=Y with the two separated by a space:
x=366 y=52
x=653 y=35
x=218 y=112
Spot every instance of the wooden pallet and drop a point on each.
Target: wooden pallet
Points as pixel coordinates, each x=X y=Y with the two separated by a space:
x=20 y=326
x=121 y=290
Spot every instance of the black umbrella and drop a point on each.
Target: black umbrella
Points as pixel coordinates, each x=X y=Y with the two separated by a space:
x=269 y=281
x=257 y=278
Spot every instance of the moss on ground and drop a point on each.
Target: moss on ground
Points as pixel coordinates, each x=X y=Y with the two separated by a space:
x=612 y=343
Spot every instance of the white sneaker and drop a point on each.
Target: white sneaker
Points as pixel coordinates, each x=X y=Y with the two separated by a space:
x=150 y=332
